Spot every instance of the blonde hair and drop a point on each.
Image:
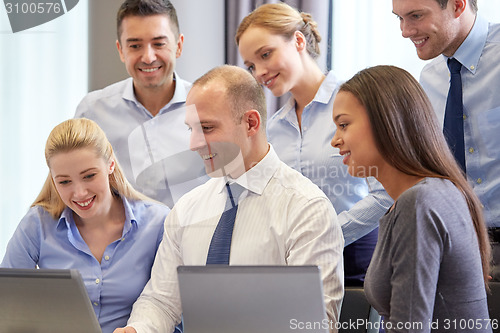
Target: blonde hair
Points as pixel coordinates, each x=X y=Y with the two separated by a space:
x=75 y=134
x=284 y=20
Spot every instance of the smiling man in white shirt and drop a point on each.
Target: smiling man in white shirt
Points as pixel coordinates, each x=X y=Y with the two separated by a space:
x=282 y=217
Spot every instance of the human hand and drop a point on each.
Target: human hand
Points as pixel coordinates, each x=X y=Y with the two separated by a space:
x=127 y=329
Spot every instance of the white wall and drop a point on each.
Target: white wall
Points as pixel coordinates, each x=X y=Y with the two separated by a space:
x=367 y=33
x=202 y=23
x=43 y=76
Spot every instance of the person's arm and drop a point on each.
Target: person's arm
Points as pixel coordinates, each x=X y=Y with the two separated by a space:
x=158 y=309
x=23 y=249
x=316 y=239
x=363 y=217
x=416 y=251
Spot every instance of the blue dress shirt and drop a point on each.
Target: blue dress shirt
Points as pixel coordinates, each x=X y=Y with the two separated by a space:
x=112 y=285
x=359 y=202
x=481 y=97
x=152 y=151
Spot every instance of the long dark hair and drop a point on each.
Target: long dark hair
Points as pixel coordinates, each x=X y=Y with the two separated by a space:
x=407 y=134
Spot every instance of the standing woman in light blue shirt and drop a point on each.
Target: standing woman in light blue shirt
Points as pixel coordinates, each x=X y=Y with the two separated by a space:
x=88 y=217
x=279 y=46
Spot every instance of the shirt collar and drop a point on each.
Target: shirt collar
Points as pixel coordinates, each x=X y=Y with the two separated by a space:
x=180 y=92
x=129 y=216
x=128 y=92
x=66 y=218
x=179 y=96
x=256 y=179
x=327 y=88
x=470 y=51
x=323 y=95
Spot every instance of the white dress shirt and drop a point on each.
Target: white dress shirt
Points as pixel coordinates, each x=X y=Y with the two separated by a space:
x=282 y=219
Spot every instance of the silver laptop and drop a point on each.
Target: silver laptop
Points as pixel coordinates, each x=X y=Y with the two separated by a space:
x=43 y=301
x=228 y=299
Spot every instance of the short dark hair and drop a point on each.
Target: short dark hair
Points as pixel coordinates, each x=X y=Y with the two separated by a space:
x=473 y=4
x=147 y=8
x=242 y=90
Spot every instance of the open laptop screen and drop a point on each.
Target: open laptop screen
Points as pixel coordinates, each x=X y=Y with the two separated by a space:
x=252 y=299
x=45 y=300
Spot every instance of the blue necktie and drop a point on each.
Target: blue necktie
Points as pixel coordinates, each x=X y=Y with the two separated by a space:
x=454 y=115
x=220 y=246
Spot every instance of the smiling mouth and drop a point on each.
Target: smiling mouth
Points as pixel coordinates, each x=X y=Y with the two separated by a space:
x=269 y=82
x=208 y=157
x=420 y=41
x=149 y=70
x=85 y=203
x=346 y=157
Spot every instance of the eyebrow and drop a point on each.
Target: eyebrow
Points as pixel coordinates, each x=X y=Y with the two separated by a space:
x=201 y=122
x=132 y=40
x=81 y=173
x=260 y=49
x=338 y=116
x=409 y=13
x=246 y=63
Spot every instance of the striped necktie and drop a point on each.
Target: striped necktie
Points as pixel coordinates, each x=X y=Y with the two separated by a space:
x=220 y=246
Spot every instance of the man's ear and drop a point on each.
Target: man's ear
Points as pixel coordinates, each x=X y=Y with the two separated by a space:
x=180 y=44
x=253 y=122
x=120 y=52
x=459 y=7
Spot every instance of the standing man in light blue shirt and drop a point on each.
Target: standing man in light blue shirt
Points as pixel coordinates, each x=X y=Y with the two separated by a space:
x=444 y=29
x=143 y=116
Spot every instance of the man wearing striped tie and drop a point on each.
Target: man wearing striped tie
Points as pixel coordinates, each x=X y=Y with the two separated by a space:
x=276 y=216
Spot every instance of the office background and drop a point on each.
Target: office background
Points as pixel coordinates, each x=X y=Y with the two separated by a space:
x=45 y=71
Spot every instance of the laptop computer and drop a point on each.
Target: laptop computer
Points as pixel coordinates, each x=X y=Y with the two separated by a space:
x=228 y=299
x=43 y=301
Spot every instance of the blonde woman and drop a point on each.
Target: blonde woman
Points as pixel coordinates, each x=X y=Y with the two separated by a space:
x=279 y=46
x=88 y=217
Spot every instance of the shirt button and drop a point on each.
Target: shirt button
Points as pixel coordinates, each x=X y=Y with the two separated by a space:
x=106 y=258
x=472 y=67
x=122 y=239
x=97 y=281
x=471 y=150
x=465 y=117
x=479 y=180
x=95 y=304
